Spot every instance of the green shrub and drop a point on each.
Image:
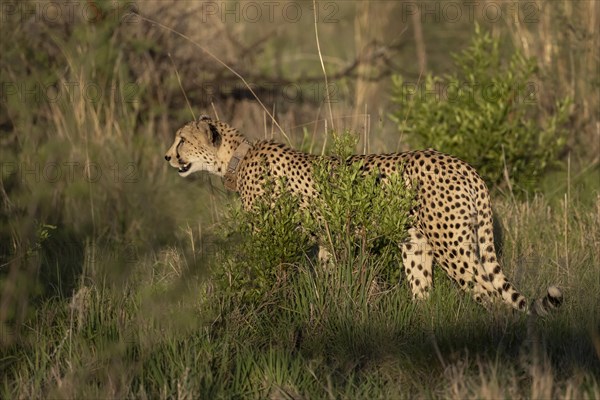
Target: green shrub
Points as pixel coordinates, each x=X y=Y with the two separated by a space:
x=485 y=113
x=355 y=217
x=358 y=214
x=268 y=239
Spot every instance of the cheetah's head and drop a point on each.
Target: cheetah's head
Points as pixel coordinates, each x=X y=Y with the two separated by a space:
x=196 y=148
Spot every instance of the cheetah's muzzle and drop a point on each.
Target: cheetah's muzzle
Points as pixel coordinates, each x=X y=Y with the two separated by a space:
x=185 y=168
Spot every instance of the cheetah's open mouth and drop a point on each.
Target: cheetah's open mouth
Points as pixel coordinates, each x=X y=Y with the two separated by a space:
x=185 y=168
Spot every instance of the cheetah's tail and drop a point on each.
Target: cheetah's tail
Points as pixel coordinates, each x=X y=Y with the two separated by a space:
x=546 y=304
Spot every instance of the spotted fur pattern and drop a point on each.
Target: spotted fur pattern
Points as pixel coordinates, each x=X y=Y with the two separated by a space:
x=453 y=216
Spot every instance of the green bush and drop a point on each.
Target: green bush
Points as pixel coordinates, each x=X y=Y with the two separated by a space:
x=486 y=113
x=355 y=216
x=268 y=238
x=358 y=214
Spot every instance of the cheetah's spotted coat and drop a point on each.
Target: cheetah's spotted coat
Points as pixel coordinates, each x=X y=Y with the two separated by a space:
x=453 y=224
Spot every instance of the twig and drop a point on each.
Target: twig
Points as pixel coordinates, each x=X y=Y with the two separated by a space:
x=408 y=112
x=327 y=97
x=181 y=87
x=214 y=110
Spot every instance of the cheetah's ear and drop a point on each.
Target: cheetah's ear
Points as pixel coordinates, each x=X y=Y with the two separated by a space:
x=214 y=136
x=207 y=126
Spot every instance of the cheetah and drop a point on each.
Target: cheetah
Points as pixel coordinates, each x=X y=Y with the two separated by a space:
x=452 y=217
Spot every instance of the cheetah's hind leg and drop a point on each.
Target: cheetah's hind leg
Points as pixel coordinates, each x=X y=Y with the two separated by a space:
x=417 y=258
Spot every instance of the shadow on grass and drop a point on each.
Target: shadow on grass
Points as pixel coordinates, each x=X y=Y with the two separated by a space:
x=349 y=347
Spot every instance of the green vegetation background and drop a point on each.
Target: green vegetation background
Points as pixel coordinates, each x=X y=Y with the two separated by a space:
x=107 y=286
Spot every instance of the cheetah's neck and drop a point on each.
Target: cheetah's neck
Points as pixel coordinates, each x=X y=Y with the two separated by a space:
x=235 y=148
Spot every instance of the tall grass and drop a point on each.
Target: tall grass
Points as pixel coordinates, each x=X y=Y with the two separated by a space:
x=80 y=170
x=163 y=333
